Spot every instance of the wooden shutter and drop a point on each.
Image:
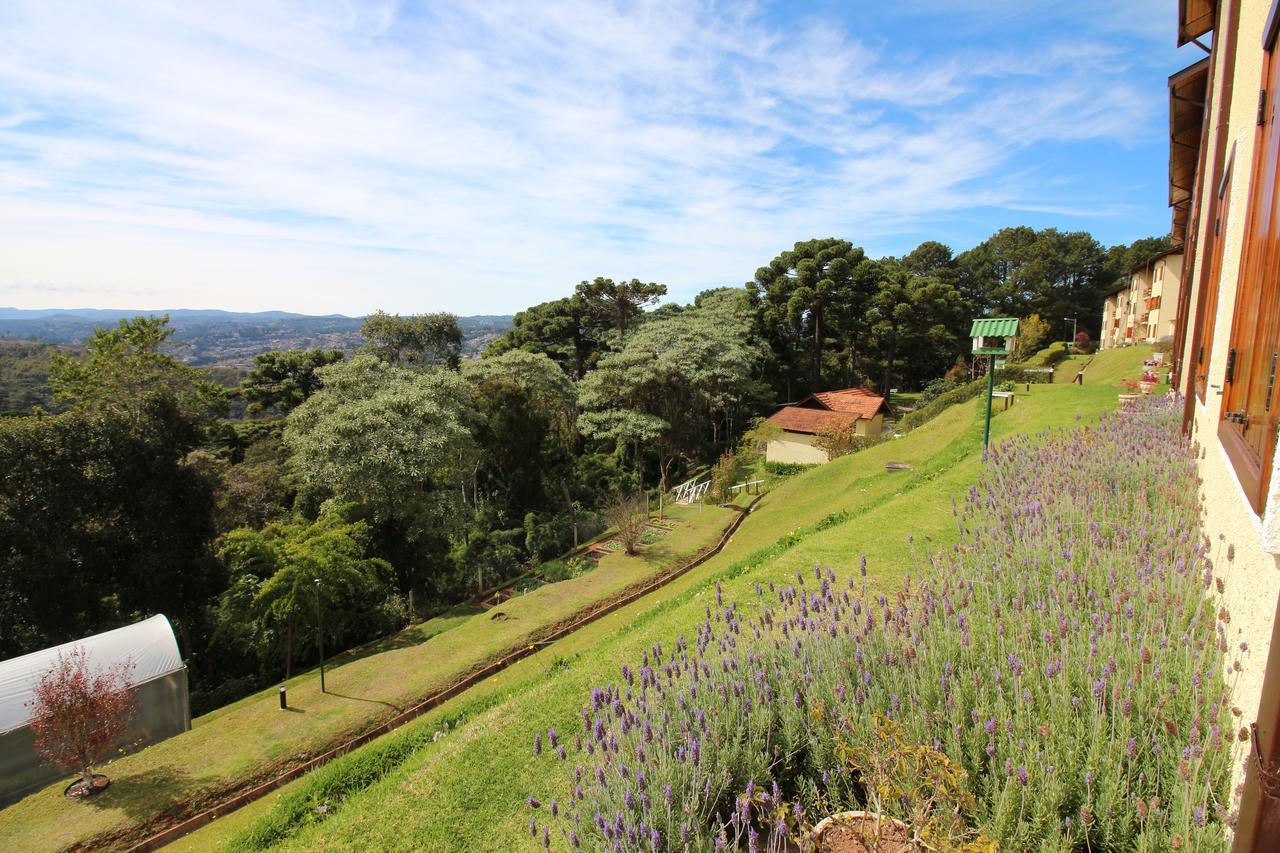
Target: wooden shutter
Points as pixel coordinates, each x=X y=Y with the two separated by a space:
x=1209 y=304
x=1250 y=406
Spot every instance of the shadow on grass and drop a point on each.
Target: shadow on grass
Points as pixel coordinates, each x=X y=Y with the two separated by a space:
x=147 y=793
x=362 y=699
x=406 y=639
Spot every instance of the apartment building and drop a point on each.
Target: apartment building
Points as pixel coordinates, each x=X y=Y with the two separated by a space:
x=1144 y=309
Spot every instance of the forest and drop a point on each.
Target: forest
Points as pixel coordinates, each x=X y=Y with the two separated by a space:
x=403 y=476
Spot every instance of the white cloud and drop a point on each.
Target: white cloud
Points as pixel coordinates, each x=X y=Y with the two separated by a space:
x=342 y=156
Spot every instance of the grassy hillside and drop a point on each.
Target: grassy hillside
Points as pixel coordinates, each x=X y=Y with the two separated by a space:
x=466 y=790
x=253 y=739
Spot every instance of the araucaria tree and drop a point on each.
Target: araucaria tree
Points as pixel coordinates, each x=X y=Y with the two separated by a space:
x=811 y=302
x=78 y=713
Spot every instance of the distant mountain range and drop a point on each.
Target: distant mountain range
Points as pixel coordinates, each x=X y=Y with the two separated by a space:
x=226 y=338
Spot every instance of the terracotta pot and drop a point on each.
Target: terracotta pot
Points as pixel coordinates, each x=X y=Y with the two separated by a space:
x=1146 y=387
x=863 y=832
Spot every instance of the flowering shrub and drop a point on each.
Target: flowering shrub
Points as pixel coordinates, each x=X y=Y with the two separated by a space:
x=1064 y=658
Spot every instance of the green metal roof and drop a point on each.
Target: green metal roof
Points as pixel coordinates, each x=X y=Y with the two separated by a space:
x=994 y=327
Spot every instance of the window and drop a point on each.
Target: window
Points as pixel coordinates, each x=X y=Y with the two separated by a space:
x=1250 y=405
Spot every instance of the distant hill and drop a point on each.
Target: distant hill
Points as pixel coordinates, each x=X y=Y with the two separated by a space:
x=226 y=338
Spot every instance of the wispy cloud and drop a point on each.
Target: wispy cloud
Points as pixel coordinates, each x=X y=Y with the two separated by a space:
x=341 y=156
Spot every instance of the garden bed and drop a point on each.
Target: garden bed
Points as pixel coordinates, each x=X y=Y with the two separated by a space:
x=1055 y=679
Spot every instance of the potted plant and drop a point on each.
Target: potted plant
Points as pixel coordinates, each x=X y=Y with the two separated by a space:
x=1148 y=381
x=921 y=783
x=1131 y=391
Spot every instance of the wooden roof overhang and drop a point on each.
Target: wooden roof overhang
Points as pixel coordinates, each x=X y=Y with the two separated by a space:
x=1195 y=18
x=1187 y=91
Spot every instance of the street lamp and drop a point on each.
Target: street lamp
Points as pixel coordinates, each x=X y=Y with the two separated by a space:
x=320 y=635
x=1073 y=328
x=1004 y=332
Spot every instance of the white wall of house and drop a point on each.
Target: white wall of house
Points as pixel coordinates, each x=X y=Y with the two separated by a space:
x=795 y=447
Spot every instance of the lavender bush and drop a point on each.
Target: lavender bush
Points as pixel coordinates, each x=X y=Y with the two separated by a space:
x=1066 y=658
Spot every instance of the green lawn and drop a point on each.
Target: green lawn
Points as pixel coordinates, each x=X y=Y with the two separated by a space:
x=253 y=739
x=467 y=790
x=1107 y=366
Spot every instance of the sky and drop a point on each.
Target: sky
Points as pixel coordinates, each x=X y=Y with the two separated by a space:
x=324 y=156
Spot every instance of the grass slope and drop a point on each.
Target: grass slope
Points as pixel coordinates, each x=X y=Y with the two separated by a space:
x=467 y=789
x=252 y=739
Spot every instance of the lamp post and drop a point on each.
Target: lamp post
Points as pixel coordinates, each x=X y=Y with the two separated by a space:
x=1073 y=328
x=1005 y=328
x=320 y=635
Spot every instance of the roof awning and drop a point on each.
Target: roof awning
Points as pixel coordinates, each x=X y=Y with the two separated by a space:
x=1187 y=90
x=1195 y=18
x=994 y=327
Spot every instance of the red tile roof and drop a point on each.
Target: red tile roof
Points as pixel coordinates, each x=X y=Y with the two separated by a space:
x=855 y=401
x=806 y=420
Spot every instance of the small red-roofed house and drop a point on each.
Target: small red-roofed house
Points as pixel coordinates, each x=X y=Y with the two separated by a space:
x=800 y=422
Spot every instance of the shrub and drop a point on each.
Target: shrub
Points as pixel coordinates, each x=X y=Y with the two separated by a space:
x=787 y=469
x=567 y=569
x=924 y=414
x=627 y=516
x=1065 y=670
x=1007 y=385
x=78 y=714
x=723 y=476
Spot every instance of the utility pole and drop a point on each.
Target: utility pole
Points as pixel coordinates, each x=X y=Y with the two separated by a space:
x=320 y=635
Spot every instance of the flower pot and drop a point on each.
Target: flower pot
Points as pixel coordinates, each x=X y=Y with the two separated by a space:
x=863 y=832
x=78 y=790
x=1146 y=387
x=1126 y=399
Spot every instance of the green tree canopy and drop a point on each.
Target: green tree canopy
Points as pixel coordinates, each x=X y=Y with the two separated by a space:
x=120 y=366
x=679 y=385
x=812 y=300
x=396 y=440
x=527 y=430
x=282 y=379
x=274 y=573
x=618 y=305
x=563 y=330
x=415 y=340
x=101 y=520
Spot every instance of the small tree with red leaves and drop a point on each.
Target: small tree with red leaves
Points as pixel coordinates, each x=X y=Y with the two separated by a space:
x=78 y=713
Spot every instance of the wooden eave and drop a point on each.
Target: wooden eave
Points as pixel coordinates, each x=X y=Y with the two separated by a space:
x=1195 y=18
x=1187 y=92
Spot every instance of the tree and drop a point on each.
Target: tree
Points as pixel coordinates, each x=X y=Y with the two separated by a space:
x=809 y=297
x=121 y=366
x=102 y=518
x=274 y=574
x=397 y=441
x=417 y=340
x=1020 y=271
x=915 y=313
x=678 y=386
x=1032 y=332
x=617 y=305
x=562 y=330
x=526 y=433
x=628 y=517
x=838 y=438
x=281 y=380
x=78 y=714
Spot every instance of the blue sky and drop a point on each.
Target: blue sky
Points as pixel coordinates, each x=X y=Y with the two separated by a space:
x=479 y=157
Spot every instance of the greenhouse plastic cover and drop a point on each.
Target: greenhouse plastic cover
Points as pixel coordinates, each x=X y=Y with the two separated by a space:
x=149 y=644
